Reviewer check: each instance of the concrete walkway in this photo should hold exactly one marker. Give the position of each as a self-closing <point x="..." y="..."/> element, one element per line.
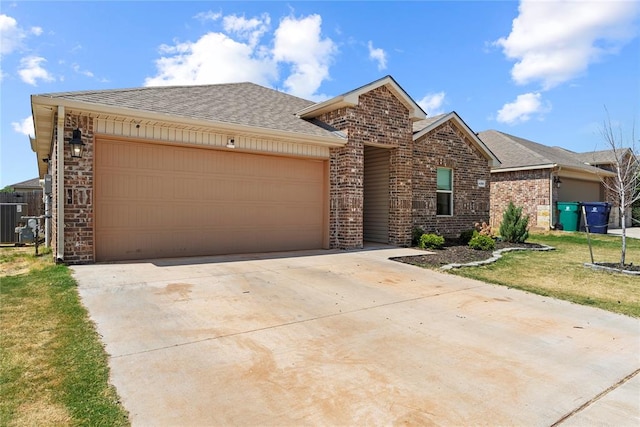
<point x="633" y="232"/>
<point x="352" y="338"/>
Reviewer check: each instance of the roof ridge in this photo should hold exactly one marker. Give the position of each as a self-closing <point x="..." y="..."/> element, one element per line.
<point x="146" y="88"/>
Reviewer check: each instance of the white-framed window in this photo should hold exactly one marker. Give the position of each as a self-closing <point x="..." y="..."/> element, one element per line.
<point x="444" y="192"/>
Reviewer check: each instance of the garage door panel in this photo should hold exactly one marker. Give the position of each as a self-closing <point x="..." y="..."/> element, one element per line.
<point x="178" y="201"/>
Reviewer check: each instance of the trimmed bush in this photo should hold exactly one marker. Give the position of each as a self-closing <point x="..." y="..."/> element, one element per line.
<point x="466" y="235"/>
<point x="431" y="241"/>
<point x="481" y="242"/>
<point x="514" y="226"/>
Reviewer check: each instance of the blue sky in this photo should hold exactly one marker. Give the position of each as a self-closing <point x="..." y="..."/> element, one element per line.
<point x="539" y="70"/>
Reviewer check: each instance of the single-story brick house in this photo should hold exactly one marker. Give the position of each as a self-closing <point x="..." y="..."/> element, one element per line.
<point x="240" y="168"/>
<point x="537" y="177"/>
<point x="606" y="159"/>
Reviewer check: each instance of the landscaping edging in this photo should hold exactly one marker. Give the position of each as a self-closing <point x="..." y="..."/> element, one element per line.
<point x="496" y="255"/>
<point x="611" y="269"/>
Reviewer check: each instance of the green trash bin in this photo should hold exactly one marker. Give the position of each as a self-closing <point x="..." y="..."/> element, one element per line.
<point x="569" y="217"/>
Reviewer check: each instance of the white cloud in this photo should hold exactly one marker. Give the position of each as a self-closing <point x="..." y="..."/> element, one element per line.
<point x="24" y="127"/>
<point x="522" y="109"/>
<point x="555" y="41"/>
<point x="379" y="55"/>
<point x="238" y="55"/>
<point x="247" y="29"/>
<point x="432" y="103"/>
<point x="214" y="58"/>
<point x="208" y="16"/>
<point x="299" y="43"/>
<point x="78" y="70"/>
<point x="11" y="35"/>
<point x="36" y="31"/>
<point x="31" y="70"/>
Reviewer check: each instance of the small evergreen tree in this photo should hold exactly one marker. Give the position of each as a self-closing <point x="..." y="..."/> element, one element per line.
<point x="514" y="226"/>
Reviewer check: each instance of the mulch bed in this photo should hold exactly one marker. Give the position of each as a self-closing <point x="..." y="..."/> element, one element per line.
<point x="456" y="252"/>
<point x="616" y="266"/>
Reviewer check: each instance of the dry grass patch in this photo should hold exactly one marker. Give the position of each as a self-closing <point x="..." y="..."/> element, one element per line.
<point x="561" y="273"/>
<point x="53" y="369"/>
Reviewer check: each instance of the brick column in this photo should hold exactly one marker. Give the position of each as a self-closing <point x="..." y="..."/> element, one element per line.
<point x="78" y="194"/>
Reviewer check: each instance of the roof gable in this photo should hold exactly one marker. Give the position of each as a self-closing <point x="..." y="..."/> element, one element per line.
<point x="423" y="127"/>
<point x="350" y="99"/>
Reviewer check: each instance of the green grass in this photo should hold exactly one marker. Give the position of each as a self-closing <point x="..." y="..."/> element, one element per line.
<point x="561" y="273"/>
<point x="53" y="368"/>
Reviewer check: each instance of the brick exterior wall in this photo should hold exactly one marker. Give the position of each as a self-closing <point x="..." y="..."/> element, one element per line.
<point x="528" y="189"/>
<point x="380" y="119"/>
<point x="77" y="194"/>
<point x="446" y="146"/>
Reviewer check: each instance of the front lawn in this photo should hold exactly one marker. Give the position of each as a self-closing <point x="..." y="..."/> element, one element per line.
<point x="53" y="368"/>
<point x="561" y="273"/>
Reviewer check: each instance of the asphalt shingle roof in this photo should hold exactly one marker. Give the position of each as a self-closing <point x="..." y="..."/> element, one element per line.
<point x="235" y="103"/>
<point x="421" y="124"/>
<point x="33" y="182"/>
<point x="515" y="152"/>
<point x="597" y="157"/>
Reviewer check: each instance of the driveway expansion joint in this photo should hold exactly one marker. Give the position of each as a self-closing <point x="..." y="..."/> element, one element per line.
<point x="596" y="398"/>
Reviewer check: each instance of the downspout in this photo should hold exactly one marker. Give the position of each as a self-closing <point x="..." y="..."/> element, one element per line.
<point x="554" y="172"/>
<point x="60" y="186"/>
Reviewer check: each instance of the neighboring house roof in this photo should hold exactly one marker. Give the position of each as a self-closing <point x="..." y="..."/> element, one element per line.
<point x="603" y="157"/>
<point x="521" y="154"/>
<point x="350" y="99"/>
<point x="425" y="126"/>
<point x="30" y="184"/>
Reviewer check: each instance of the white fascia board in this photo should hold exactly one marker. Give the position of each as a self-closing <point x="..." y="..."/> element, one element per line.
<point x="524" y="168"/>
<point x="172" y="121"/>
<point x="560" y="169"/>
<point x="574" y="172"/>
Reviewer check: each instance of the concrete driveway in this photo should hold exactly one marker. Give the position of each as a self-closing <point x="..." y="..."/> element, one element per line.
<point x="352" y="338"/>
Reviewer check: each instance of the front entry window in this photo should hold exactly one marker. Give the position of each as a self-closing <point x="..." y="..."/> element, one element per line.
<point x="444" y="192"/>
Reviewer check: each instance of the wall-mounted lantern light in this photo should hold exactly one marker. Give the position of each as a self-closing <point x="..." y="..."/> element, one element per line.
<point x="231" y="143"/>
<point x="77" y="146"/>
<point x="556" y="181"/>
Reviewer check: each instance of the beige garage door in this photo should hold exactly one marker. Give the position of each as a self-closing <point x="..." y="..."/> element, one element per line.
<point x="155" y="200"/>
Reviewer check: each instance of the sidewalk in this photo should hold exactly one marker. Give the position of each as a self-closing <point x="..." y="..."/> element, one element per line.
<point x="633" y="232"/>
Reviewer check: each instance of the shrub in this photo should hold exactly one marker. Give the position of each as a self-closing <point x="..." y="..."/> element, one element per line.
<point x="466" y="235"/>
<point x="416" y="233"/>
<point x="514" y="226"/>
<point x="431" y="241"/>
<point x="482" y="242"/>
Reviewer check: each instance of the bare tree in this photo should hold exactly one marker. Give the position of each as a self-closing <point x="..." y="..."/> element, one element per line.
<point x="625" y="185"/>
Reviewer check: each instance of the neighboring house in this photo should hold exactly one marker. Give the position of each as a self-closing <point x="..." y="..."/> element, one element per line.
<point x="30" y="185"/>
<point x="26" y="192"/>
<point x="537" y="177"/>
<point x="606" y="159"/>
<point x="240" y="168"/>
